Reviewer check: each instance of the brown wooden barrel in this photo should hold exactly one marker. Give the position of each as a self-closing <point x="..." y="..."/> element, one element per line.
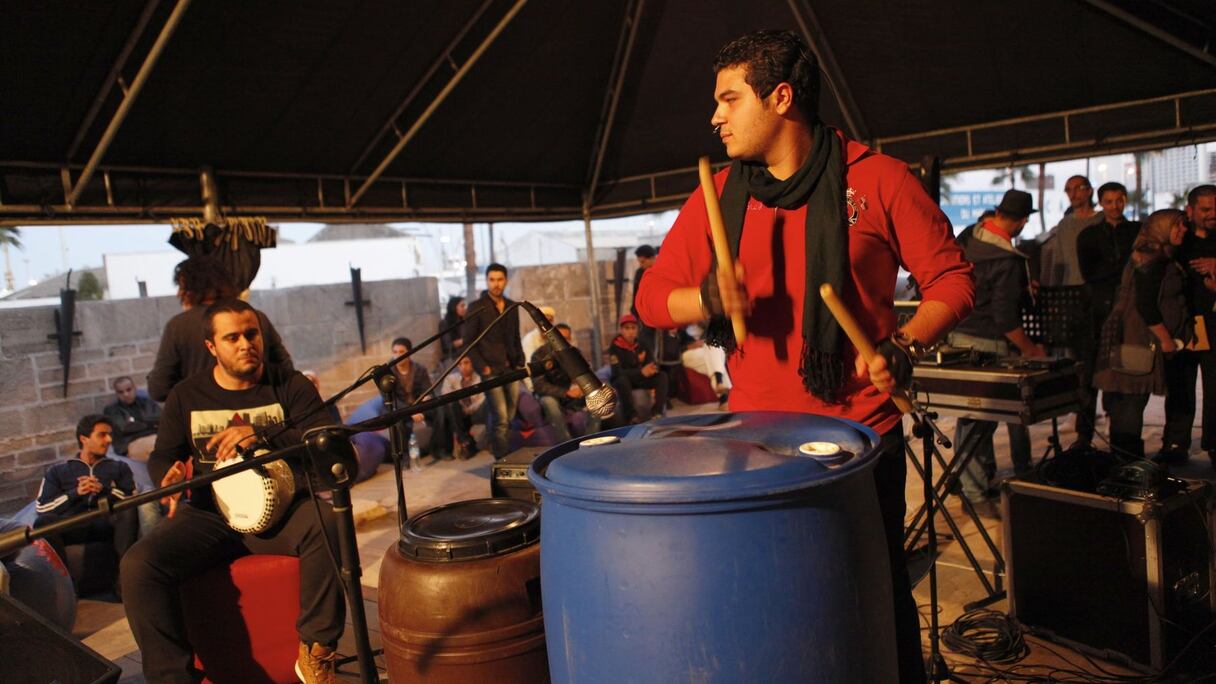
<point x="460" y="596"/>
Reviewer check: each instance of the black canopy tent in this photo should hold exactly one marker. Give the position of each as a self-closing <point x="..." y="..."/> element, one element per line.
<point x="491" y="110"/>
<point x="295" y="103"/>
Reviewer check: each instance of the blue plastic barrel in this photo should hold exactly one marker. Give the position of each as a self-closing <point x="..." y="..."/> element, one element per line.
<point x="738" y="547"/>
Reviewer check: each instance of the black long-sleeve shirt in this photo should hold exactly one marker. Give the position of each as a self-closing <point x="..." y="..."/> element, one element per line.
<point x="1199" y="299"/>
<point x="182" y="352"/>
<point x="198" y="408"/>
<point x="1102" y="252"/>
<point x="501" y="349"/>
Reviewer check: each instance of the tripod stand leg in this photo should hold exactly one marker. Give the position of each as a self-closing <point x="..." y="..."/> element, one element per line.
<point x="351" y="573"/>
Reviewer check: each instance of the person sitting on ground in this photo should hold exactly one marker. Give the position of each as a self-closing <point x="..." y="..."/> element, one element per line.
<point x="332" y="410"/>
<point x="200" y="280"/>
<point x="80" y="484"/>
<point x="557" y="393"/>
<point x="134" y="418"/>
<point x="632" y="368"/>
<point x="534" y="340"/>
<point x="707" y="360"/>
<point x="455" y="421"/>
<point x="412" y="382"/>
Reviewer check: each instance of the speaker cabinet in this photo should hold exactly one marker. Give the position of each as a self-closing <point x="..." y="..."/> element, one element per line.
<point x="36" y="651"/>
<point x="1128" y="581"/>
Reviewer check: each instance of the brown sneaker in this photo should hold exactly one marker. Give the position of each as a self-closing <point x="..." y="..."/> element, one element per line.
<point x="316" y="665"/>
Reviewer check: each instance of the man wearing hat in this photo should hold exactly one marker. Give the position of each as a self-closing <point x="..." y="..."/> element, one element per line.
<point x="995" y="325"/>
<point x="633" y="368"/>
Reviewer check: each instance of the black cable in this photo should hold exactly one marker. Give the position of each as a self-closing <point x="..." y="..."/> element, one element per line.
<point x="986" y="635"/>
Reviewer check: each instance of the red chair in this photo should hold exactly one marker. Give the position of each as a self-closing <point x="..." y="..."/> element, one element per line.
<point x="241" y="620"/>
<point x="695" y="388"/>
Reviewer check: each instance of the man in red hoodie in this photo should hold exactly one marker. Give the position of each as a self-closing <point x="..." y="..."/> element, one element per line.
<point x="805" y="205"/>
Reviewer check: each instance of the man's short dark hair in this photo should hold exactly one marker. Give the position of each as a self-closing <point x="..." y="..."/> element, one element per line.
<point x="230" y="305"/>
<point x="86" y="425"/>
<point x="645" y="252"/>
<point x="114" y="385"/>
<point x="403" y="341"/>
<point x="771" y="58"/>
<point x="1111" y="187"/>
<point x="496" y="267"/>
<point x="1192" y="197"/>
<point x="203" y="278"/>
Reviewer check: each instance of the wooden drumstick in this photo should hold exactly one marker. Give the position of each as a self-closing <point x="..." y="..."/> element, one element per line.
<point x="717" y="228"/>
<point x="859" y="339"/>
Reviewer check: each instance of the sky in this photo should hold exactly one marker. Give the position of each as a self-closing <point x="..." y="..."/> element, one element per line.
<point x="49" y="250"/>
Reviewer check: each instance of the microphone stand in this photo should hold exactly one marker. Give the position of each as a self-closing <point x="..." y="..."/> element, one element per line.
<point x="925" y="427"/>
<point x="332" y="461"/>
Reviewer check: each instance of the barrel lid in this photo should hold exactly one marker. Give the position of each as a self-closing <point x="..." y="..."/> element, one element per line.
<point x="467" y="530"/>
<point x="722" y="457"/>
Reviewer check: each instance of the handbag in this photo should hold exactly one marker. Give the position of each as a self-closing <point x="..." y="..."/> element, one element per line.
<point x="1134" y="359"/>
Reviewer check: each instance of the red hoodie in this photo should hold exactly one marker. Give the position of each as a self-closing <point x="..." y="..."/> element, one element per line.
<point x="894" y="223"/>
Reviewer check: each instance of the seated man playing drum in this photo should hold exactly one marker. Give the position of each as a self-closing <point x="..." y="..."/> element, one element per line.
<point x="205" y="419"/>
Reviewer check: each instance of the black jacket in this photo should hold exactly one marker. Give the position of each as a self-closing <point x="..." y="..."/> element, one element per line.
<point x="627" y="359"/>
<point x="132" y="422"/>
<point x="501" y="348"/>
<point x="1000" y="283"/>
<point x="1102" y="252"/>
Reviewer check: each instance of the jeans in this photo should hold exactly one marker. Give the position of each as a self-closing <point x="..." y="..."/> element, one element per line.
<point x="121" y="531"/>
<point x="968" y="434"/>
<point x="503" y="402"/>
<point x="162" y="564"/>
<point x="1127" y="423"/>
<point x="890" y="479"/>
<point x="555" y="413"/>
<point x="1180" y="405"/>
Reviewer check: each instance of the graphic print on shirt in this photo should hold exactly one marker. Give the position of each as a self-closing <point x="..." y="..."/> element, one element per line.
<point x="206" y="424"/>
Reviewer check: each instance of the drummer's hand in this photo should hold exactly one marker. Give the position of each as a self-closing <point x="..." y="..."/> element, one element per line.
<point x="224" y="444"/>
<point x="880" y="375"/>
<point x="734" y="301"/>
<point x="176" y="474"/>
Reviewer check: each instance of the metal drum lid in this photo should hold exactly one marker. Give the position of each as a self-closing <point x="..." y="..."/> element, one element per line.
<point x="467" y="530"/>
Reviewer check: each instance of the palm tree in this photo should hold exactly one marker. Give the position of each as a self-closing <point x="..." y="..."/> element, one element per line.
<point x="1013" y="174"/>
<point x="10" y="236"/>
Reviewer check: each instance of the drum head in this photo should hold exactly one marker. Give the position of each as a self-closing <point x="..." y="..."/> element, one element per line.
<point x="467" y="530"/>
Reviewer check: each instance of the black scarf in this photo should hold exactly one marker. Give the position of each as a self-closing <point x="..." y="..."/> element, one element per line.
<point x="818" y="184"/>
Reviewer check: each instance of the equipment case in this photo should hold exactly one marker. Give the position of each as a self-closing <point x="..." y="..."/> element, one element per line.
<point x="1126" y="580"/>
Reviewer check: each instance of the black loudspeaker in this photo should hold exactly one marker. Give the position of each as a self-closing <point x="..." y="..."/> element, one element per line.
<point x="34" y="651"/>
<point x="509" y="476"/>
<point x="1124" y="579"/>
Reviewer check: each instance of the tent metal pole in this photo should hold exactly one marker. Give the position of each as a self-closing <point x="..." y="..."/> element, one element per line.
<point x="612" y="98"/>
<point x="1044" y="117"/>
<point x="593" y="277"/>
<point x="818" y="43"/>
<point x="439" y="99"/>
<point x="115" y="73"/>
<point x="444" y="58"/>
<point x="128" y="99"/>
<point x="1159" y="34"/>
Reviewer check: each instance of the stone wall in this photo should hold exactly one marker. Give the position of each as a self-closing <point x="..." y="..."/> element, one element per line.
<point x="565" y="288"/>
<point x="37" y="422"/>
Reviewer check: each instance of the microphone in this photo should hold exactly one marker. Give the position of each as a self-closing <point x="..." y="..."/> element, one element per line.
<point x="601" y="398"/>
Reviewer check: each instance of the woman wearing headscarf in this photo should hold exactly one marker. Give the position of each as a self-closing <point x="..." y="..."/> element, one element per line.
<point x="1149" y="322"/>
<point x="452" y="343"/>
